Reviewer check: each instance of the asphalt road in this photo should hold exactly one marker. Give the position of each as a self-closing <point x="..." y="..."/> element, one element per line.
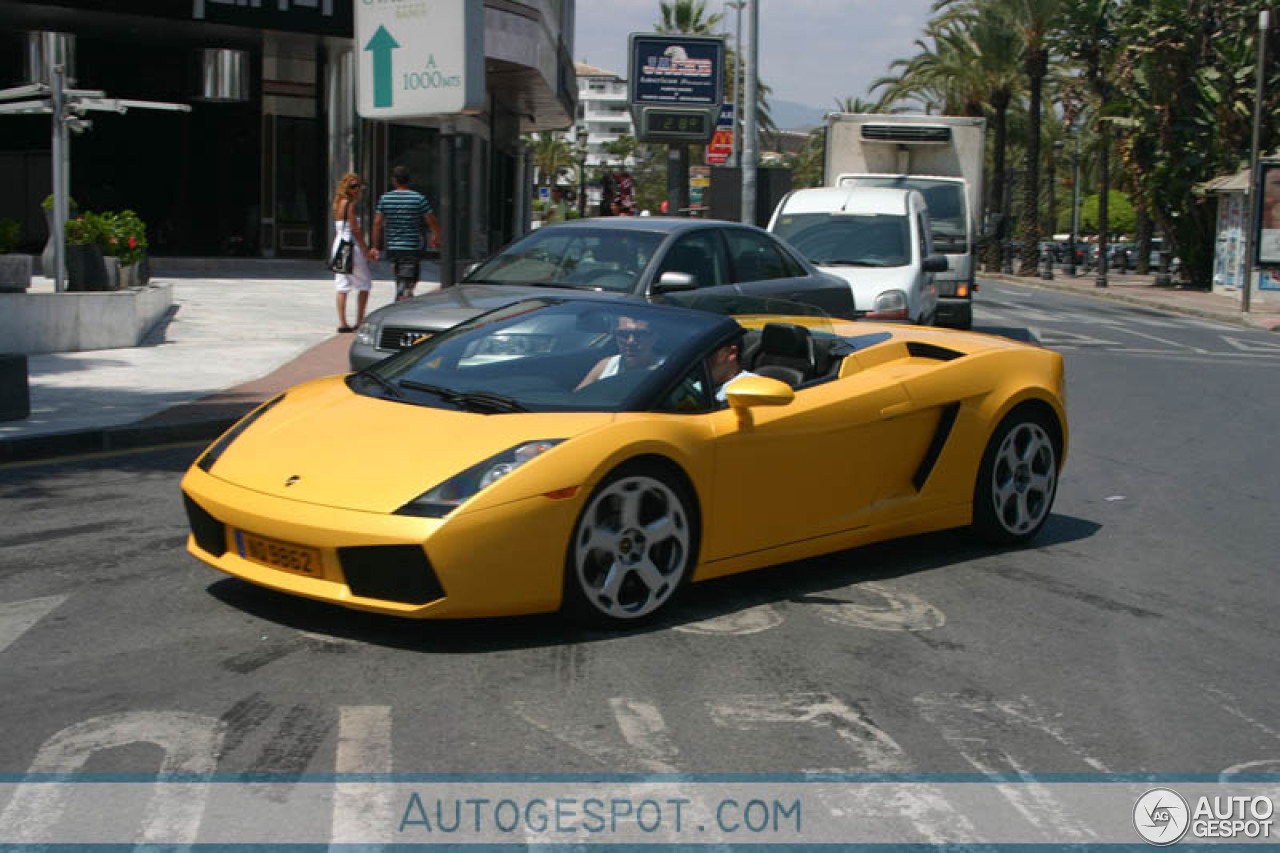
<point x="1137" y="635"/>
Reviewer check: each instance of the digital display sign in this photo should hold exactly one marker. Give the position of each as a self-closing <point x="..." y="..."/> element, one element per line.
<point x="676" y="86"/>
<point x="682" y="123"/>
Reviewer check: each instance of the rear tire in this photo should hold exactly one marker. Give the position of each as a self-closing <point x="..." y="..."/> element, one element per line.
<point x="1018" y="478"/>
<point x="633" y="546"/>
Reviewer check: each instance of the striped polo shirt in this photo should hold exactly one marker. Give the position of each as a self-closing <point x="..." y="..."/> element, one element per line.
<point x="402" y="212"/>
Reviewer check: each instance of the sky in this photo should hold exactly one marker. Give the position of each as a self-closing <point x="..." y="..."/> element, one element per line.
<point x="812" y="52"/>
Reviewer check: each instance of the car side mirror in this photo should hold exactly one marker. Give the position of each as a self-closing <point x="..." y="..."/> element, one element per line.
<point x="935" y="263"/>
<point x="752" y="391"/>
<point x="672" y="281"/>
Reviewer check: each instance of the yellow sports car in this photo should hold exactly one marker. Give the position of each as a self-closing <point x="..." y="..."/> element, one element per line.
<point x="594" y="455"/>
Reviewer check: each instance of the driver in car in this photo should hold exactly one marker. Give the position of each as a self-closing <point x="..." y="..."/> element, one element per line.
<point x="635" y="342"/>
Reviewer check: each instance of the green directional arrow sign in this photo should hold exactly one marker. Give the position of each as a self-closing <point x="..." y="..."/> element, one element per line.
<point x="381" y="46"/>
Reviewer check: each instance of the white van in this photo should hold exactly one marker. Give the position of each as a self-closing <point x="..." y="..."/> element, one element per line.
<point x="879" y="240"/>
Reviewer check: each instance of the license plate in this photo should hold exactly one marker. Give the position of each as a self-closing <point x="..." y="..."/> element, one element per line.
<point x="278" y="555"/>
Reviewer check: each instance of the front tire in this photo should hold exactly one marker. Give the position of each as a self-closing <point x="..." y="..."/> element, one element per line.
<point x="1017" y="480"/>
<point x="633" y="546"/>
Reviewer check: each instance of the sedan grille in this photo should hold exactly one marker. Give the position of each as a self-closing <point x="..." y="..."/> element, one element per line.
<point x="396" y="338"/>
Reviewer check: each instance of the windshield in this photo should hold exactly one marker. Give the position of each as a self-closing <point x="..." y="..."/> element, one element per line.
<point x="837" y="239"/>
<point x="537" y="355"/>
<point x="945" y="200"/>
<point x="589" y="258"/>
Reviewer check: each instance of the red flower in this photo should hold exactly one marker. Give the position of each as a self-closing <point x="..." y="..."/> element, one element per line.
<point x="133" y="242"/>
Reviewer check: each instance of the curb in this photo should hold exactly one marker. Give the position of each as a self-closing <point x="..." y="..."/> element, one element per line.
<point x="135" y="436"/>
<point x="1108" y="295"/>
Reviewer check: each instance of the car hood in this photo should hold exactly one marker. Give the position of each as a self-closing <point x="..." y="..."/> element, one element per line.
<point x="449" y="306"/>
<point x="869" y="282"/>
<point x="346" y="450"/>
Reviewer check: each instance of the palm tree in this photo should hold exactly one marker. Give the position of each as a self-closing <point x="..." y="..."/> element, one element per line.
<point x="685" y="17"/>
<point x="552" y="155"/>
<point x="853" y="104"/>
<point x="1033" y="22"/>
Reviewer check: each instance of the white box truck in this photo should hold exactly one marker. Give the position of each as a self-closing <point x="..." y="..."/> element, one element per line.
<point x="942" y="157"/>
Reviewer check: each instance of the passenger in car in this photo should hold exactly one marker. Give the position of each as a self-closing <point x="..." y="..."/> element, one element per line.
<point x="635" y="342"/>
<point x="725" y="370"/>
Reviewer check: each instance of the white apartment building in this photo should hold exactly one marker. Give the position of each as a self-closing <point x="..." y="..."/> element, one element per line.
<point x="602" y="110"/>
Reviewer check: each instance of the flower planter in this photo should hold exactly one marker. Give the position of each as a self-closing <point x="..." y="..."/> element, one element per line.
<point x="86" y="269"/>
<point x="131" y="275"/>
<point x="112" y="267"/>
<point x="15" y="273"/>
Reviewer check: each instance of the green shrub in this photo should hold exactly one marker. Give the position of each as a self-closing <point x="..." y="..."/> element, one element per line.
<point x="86" y="230"/>
<point x="10" y="235"/>
<point x="47" y="204"/>
<point x="126" y="237"/>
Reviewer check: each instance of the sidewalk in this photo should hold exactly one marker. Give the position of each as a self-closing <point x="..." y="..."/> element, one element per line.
<point x="244" y="330"/>
<point x="240" y="332"/>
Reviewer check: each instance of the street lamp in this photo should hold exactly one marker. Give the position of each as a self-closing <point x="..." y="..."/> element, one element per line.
<point x="1075" y="202"/>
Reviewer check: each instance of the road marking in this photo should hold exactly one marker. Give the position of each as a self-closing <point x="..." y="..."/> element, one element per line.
<point x="17" y="617"/>
<point x="644" y="729"/>
<point x="750" y="621"/>
<point x="1253" y="346"/>
<point x="1160" y="340"/>
<point x="881" y="609"/>
<point x="190" y="743"/>
<point x="361" y="810"/>
<point x="874" y="750"/>
<point x="969" y="733"/>
<point x="1057" y="337"/>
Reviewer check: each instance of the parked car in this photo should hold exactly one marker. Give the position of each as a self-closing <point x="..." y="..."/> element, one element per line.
<point x="492" y="477"/>
<point x="879" y="240"/>
<point x="653" y="257"/>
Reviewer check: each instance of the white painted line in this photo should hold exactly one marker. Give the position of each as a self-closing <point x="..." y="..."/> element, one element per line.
<point x="1177" y="344"/>
<point x="17" y="617"/>
<point x="642" y="726"/>
<point x="362" y="810"/>
<point x="880" y="608"/>
<point x="750" y="621"/>
<point x="190" y="742"/>
<point x="1253" y="346"/>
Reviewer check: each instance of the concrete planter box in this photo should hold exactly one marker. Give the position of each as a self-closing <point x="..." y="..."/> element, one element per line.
<point x="15" y="273"/>
<point x="34" y="323"/>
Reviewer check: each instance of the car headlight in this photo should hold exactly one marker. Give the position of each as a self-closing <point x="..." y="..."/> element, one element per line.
<point x="445" y="498"/>
<point x="220" y="446"/>
<point x="890" y="300"/>
<point x="365" y="334"/>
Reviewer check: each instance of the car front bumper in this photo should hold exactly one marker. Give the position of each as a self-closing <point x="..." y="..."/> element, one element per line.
<point x="502" y="561"/>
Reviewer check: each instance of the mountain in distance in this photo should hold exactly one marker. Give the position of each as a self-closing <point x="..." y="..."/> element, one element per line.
<point x="789" y="115"/>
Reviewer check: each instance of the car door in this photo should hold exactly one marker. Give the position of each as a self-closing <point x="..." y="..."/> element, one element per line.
<point x="811" y="468"/>
<point x="760" y="266"/>
<point x="700" y="254"/>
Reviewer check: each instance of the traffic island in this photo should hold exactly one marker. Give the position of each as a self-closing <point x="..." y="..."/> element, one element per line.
<point x="36" y="323"/>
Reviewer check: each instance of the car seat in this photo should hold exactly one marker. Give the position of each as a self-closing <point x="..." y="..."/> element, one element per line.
<point x="787" y="353"/>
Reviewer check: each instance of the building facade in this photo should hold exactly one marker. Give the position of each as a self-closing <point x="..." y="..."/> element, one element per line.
<point x="602" y="113"/>
<point x="250" y="170"/>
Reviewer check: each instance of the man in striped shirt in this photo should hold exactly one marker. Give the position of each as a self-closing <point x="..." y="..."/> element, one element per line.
<point x="401" y="216"/>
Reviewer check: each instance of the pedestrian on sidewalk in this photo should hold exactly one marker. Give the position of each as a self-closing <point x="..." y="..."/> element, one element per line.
<point x="400" y="218"/>
<point x="346" y="225"/>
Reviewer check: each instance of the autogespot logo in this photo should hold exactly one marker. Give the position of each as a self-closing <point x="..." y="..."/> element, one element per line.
<point x="1161" y="816"/>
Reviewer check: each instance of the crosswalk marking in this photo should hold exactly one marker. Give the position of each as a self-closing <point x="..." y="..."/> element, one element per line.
<point x="16" y="617"/>
<point x="1252" y="346"/>
<point x="362" y="810"/>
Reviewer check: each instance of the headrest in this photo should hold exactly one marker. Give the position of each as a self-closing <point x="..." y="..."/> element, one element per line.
<point x="786" y="339"/>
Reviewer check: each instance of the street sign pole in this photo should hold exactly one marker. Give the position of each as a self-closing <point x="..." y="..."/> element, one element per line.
<point x="1255" y="196"/>
<point x="750" y="155"/>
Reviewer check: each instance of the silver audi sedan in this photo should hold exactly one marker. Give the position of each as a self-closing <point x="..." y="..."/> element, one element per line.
<point x="662" y="259"/>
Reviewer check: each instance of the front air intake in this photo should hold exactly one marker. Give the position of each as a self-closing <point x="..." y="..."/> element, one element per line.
<point x="399" y="573"/>
<point x="210" y="534"/>
<point x="907" y="133"/>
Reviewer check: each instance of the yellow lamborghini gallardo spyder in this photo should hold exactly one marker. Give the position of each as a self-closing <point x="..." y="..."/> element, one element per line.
<point x="594" y="455"/>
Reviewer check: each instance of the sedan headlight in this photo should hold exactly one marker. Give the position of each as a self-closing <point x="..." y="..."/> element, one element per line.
<point x="366" y="334"/>
<point x="445" y="498"/>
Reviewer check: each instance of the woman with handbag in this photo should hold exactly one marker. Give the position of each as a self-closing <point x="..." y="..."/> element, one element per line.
<point x="349" y="259"/>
